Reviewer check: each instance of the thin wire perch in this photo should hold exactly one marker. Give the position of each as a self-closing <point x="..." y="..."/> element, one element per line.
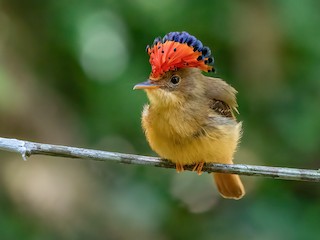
<point x="27" y="148"/>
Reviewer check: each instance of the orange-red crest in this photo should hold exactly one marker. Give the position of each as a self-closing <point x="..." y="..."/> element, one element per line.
<point x="178" y="50"/>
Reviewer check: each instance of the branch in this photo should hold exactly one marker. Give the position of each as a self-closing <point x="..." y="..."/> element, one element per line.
<point x="26" y="149"/>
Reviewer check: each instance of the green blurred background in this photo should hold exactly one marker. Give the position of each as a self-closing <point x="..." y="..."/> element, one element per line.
<point x="67" y="69"/>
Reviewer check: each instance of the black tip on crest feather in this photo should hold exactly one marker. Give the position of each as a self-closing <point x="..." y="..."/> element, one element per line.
<point x="200" y="58"/>
<point x="210" y="60"/>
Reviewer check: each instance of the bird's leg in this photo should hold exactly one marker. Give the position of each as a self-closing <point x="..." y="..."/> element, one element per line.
<point x="198" y="167"/>
<point x="179" y="167"/>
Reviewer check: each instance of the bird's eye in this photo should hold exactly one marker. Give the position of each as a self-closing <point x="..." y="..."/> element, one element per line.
<point x="175" y="79"/>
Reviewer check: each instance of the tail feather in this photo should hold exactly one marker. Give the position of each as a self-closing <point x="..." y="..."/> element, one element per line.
<point x="229" y="185"/>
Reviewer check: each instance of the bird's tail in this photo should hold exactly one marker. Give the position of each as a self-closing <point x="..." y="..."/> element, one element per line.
<point x="229" y="185"/>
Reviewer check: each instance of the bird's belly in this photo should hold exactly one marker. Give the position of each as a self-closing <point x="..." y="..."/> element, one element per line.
<point x="206" y="148"/>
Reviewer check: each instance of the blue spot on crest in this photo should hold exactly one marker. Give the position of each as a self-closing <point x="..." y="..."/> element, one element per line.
<point x="156" y="40"/>
<point x="191" y="40"/>
<point x="206" y="52"/>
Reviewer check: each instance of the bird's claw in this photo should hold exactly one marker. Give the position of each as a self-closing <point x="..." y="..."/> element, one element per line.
<point x="198" y="168"/>
<point x="179" y="167"/>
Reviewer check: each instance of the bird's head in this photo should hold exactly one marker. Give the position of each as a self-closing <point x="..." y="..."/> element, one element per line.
<point x="176" y="60"/>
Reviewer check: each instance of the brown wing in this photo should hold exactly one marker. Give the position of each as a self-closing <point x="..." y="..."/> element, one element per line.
<point x="221" y="108"/>
<point x="222" y="97"/>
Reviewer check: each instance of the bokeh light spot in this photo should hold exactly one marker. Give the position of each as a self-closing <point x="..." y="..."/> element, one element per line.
<point x="103" y="51"/>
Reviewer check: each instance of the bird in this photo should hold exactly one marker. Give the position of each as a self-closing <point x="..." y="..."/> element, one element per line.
<point x="190" y="118"/>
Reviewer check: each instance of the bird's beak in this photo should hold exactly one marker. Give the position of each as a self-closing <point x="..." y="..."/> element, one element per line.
<point x="146" y="85"/>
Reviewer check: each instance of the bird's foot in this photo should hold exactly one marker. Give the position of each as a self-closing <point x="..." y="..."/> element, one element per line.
<point x="198" y="168"/>
<point x="179" y="167"/>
